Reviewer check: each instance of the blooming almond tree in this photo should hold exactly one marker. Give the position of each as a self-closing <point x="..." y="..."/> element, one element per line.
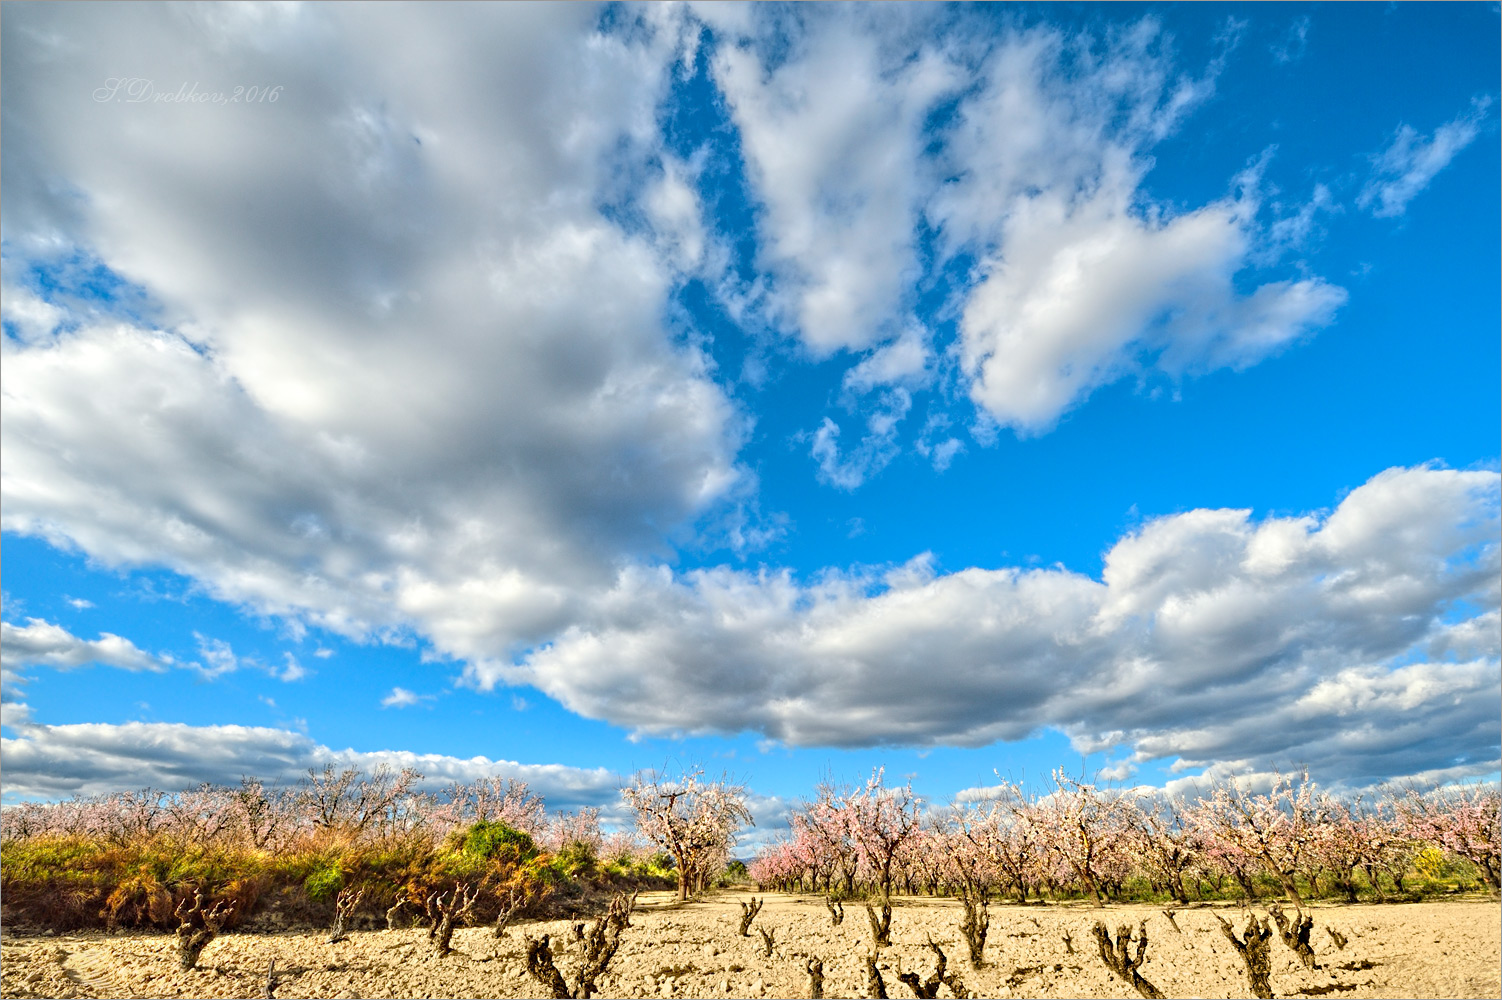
<point x="1084" y="830"/>
<point x="1165" y="844"/>
<point x="491" y="800"/>
<point x="1278" y="828"/>
<point x="1009" y="838"/>
<point x="823" y="830"/>
<point x="881" y="820"/>
<point x="351" y="803"/>
<point x="1465" y="821"/>
<point x="694" y="820"/>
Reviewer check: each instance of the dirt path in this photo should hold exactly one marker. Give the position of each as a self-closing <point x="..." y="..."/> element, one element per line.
<point x="1446" y="949"/>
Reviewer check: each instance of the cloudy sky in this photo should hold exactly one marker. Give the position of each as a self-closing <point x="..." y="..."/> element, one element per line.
<point x="559" y="391"/>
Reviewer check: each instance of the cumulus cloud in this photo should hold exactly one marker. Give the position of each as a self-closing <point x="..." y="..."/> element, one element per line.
<point x="402" y="369"/>
<point x="40" y="643"/>
<point x="832" y="133"/>
<point x="1027" y="154"/>
<point x="1084" y="278"/>
<point x="1411" y="161"/>
<point x="51" y="762"/>
<point x="372" y="357"/>
<point x="1210" y="635"/>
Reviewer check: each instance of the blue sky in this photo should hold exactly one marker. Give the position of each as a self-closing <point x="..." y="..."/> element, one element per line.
<point x="562" y="391"/>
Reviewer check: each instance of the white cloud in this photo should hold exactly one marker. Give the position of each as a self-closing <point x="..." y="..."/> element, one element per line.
<point x="1294" y="43"/>
<point x="218" y="656"/>
<point x="51" y="762"/>
<point x="877" y="447"/>
<point x="32" y="318"/>
<point x="1410" y="162"/>
<point x="291" y="669"/>
<point x="44" y="644"/>
<point x="1210" y="635"/>
<point x="673" y="207"/>
<point x="832" y="133"/>
<point x="1028" y="154"/>
<point x="1086" y="279"/>
<point x="400" y="697"/>
<point x="406" y="372"/>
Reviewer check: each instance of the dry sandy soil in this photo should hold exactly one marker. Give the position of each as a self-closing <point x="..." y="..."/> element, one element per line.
<point x="1448" y="949"/>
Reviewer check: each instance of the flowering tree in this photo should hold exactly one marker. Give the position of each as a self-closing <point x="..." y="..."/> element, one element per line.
<point x="264" y="818"/>
<point x="1010" y="838"/>
<point x="1353" y="836"/>
<point x="1277" y="828"/>
<point x="350" y="802"/>
<point x="694" y="820"/>
<point x="491" y="800"/>
<point x="1084" y="831"/>
<point x="566" y="829"/>
<point x="1166" y="844"/>
<point x="881" y="820"/>
<point x="1464" y="821"/>
<point x="199" y="816"/>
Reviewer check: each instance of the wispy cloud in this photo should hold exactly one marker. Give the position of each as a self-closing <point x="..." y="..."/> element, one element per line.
<point x="400" y="697"/>
<point x="1411" y="161"/>
<point x="1294" y="43"/>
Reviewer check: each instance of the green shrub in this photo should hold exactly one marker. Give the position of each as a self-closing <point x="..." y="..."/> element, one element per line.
<point x="497" y="841"/>
<point x="577" y="859"/>
<point x="324" y="882"/>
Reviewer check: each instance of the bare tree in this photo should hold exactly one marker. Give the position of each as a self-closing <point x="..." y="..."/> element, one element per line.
<point x="1295" y="934"/>
<point x="1118" y="959"/>
<point x="197" y="927"/>
<point x="836" y="912"/>
<point x="510" y="904"/>
<point x="1254" y="952"/>
<point x="881" y="930"/>
<point x="815" y="967"/>
<point x="748" y="914"/>
<point x="344" y="908"/>
<point x="977" y="921"/>
<point x="876" y="989"/>
<point x="446" y="909"/>
<point x="929" y="988"/>
<point x="600" y="944"/>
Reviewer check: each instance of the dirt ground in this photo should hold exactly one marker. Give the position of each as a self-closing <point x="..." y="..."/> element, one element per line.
<point x="1448" y="949"/>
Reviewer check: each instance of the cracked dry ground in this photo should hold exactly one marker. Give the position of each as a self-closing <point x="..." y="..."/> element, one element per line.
<point x="1448" y="949"/>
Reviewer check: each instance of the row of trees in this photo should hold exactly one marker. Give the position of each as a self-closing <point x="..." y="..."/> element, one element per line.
<point x="1075" y="838"/>
<point x="1069" y="838"/>
<point x="332" y="805"/>
<point x="381" y="841"/>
